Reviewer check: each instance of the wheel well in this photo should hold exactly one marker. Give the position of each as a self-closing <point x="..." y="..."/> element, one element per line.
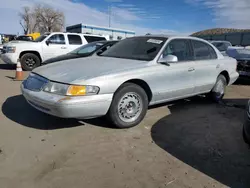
<point x="142" y="84"/>
<point x="32" y="52"/>
<point x="225" y="73"/>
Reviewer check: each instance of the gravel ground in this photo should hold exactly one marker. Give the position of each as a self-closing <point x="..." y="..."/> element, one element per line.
<point x="188" y="143"/>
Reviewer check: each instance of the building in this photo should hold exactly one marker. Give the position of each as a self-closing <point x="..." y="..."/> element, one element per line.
<point x="113" y="33"/>
<point x="235" y="36"/>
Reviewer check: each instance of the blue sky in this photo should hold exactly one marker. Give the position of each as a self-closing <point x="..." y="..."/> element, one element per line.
<point x="142" y="16"/>
<point x="177" y="15"/>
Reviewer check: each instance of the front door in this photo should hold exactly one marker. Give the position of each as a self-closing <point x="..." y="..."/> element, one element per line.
<point x="178" y="78"/>
<point x="54" y="46"/>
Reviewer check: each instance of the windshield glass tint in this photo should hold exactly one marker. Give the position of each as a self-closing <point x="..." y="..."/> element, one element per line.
<point x="41" y="38"/>
<point x="139" y="48"/>
<point x="88" y="48"/>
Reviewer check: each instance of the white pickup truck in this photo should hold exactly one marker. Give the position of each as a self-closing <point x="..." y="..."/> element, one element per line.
<point x="32" y="53"/>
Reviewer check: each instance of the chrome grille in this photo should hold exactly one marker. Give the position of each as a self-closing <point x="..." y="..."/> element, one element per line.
<point x="35" y="82"/>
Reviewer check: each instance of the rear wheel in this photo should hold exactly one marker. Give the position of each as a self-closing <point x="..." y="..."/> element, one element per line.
<point x="129" y="106"/>
<point x="29" y="61"/>
<point x="218" y="91"/>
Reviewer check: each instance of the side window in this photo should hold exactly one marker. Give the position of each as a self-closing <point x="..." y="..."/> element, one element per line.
<point x="94" y="38"/>
<point x="179" y="48"/>
<point x="57" y="39"/>
<point x="203" y="51"/>
<point x="75" y="39"/>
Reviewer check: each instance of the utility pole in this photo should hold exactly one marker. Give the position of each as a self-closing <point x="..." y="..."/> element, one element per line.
<point x="110" y="13"/>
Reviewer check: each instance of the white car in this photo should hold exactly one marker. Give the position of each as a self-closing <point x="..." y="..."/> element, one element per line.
<point x="32" y="53"/>
<point x="130" y="76"/>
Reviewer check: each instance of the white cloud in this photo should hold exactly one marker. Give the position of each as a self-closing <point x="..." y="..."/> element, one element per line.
<point x="124" y="14"/>
<point x="228" y="13"/>
<point x="126" y="5"/>
<point x="114" y="1"/>
<point x="75" y="12"/>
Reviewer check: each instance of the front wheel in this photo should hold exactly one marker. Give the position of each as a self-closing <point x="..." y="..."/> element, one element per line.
<point x="218" y="91"/>
<point x="29" y="61"/>
<point x="129" y="106"/>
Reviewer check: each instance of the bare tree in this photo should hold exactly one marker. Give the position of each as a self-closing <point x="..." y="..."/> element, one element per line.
<point x="25" y="20"/>
<point x="49" y="19"/>
<point x="41" y="19"/>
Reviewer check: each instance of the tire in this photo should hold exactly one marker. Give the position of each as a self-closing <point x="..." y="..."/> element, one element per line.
<point x="128" y="94"/>
<point x="218" y="91"/>
<point x="29" y="61"/>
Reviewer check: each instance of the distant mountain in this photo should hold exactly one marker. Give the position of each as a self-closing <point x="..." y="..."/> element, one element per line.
<point x="218" y="31"/>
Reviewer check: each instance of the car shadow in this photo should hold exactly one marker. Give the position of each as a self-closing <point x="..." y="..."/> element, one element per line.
<point x="18" y="110"/>
<point x="242" y="81"/>
<point x="7" y="67"/>
<point x="207" y="137"/>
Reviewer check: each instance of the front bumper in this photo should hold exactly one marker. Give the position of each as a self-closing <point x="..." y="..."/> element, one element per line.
<point x="80" y="107"/>
<point x="9" y="58"/>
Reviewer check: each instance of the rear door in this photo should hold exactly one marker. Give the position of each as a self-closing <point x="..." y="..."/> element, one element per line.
<point x="74" y="41"/>
<point x="56" y="45"/>
<point x="90" y="38"/>
<point x="207" y="66"/>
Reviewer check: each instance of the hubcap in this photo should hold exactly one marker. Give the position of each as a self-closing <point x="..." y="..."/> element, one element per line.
<point x="30" y="62"/>
<point x="219" y="89"/>
<point x="129" y="107"/>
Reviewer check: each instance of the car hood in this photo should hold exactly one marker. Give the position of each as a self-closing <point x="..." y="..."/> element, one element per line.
<point x="20" y="43"/>
<point x="64" y="57"/>
<point x="80" y="69"/>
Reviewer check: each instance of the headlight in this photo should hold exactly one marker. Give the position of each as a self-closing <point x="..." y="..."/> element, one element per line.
<point x="71" y="90"/>
<point x="10" y="49"/>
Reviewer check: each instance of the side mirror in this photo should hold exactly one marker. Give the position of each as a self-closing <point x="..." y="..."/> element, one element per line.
<point x="168" y="59"/>
<point x="47" y="42"/>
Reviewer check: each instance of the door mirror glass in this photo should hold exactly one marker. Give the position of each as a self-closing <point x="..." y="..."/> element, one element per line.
<point x="168" y="59"/>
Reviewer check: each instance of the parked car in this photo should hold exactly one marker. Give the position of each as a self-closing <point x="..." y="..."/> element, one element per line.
<point x="242" y="55"/>
<point x="246" y="125"/>
<point x="32" y="54"/>
<point x="221" y="46"/>
<point x="93" y="48"/>
<point x="133" y="74"/>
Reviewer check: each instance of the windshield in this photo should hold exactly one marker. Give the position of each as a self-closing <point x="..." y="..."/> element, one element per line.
<point x="139" y="48"/>
<point x="88" y="48"/>
<point x="41" y="38"/>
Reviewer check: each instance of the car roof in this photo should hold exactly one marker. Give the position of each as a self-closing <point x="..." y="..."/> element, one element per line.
<point x="171" y="36"/>
<point x="219" y="41"/>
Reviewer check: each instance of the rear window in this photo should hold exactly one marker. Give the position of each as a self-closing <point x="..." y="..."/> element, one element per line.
<point x="75" y="39"/>
<point x="94" y="38"/>
<point x="221" y="46"/>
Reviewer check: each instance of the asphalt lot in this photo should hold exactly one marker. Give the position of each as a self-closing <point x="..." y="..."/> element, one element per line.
<point x="189" y="143"/>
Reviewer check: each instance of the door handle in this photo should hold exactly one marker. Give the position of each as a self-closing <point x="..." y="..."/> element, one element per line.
<point x="191" y="69"/>
<point x="218" y="66"/>
<point x="63" y="48"/>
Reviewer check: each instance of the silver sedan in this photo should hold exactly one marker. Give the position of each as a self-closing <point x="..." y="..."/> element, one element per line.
<point x="123" y="81"/>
